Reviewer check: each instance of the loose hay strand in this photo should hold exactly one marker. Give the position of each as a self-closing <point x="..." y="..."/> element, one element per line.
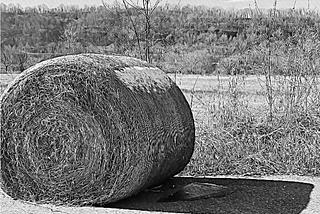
<point x="91" y="129"/>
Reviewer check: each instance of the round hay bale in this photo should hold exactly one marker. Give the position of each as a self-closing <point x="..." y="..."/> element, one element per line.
<point x="92" y="129"/>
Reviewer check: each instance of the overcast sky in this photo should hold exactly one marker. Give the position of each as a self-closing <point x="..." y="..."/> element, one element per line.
<point x="314" y="4"/>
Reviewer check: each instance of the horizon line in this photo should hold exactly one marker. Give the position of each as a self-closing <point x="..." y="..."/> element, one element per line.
<point x="97" y="6"/>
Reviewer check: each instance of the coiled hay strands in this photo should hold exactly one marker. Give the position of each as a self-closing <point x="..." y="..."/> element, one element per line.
<point x="92" y="129"/>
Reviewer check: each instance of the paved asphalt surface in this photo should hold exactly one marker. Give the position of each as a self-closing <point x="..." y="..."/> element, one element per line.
<point x="245" y="196"/>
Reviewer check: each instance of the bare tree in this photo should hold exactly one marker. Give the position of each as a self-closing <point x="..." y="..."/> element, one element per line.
<point x="22" y="58"/>
<point x="5" y="60"/>
<point x="69" y="37"/>
<point x="146" y="9"/>
<point x="6" y="57"/>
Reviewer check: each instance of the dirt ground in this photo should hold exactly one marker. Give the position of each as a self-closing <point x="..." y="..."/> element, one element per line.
<point x="273" y="194"/>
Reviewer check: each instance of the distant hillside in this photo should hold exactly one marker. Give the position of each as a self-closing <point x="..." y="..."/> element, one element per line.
<point x="29" y="35"/>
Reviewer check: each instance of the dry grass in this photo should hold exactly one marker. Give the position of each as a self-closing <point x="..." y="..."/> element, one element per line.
<point x="235" y="134"/>
<point x="91" y="129"/>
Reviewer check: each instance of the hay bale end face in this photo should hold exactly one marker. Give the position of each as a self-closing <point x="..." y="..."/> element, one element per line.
<point x="90" y="129"/>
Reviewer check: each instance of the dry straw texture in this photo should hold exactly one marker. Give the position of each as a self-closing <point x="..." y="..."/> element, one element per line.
<point x="92" y="129"/>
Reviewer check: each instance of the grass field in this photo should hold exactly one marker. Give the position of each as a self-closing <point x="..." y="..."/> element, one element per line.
<point x="246" y="127"/>
<point x="240" y="132"/>
<point x="206" y="92"/>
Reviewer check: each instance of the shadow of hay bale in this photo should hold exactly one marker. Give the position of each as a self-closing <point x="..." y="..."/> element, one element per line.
<point x="90" y="128"/>
<point x="242" y="196"/>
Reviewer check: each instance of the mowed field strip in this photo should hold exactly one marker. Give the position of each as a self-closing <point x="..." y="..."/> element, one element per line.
<point x="251" y="85"/>
<point x="205" y="92"/>
<point x="202" y="92"/>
